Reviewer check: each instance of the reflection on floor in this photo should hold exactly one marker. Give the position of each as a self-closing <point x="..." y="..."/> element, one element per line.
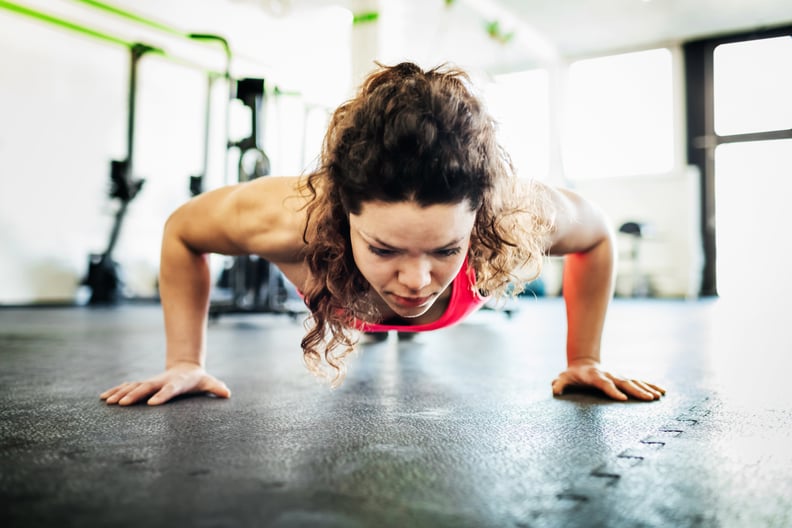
<point x="454" y="428"/>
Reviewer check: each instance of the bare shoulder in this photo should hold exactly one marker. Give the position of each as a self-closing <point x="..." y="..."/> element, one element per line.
<point x="578" y="223"/>
<point x="264" y="217"/>
<point x="270" y="218"/>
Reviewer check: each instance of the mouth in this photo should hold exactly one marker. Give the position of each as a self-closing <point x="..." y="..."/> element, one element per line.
<point x="411" y="302"/>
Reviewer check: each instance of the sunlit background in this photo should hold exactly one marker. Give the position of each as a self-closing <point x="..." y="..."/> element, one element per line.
<point x="589" y="95"/>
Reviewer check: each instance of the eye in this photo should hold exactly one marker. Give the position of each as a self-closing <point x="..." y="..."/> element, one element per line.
<point x="380" y="252"/>
<point x="450" y="252"/>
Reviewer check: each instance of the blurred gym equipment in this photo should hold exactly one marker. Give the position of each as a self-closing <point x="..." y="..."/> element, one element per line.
<point x="249" y="284"/>
<point x="103" y="277"/>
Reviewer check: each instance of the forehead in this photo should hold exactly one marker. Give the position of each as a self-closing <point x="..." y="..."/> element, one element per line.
<point x="408" y="224"/>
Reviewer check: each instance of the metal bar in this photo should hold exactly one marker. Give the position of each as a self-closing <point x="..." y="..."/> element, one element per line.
<point x="365" y="17"/>
<point x="137" y="51"/>
<point x="700" y="132"/>
<point x="755" y="136"/>
<point x="45" y="17"/>
<point x="203" y="38"/>
<point x="207" y="39"/>
<point x="134" y="17"/>
<point x="702" y="139"/>
<point x="38" y="15"/>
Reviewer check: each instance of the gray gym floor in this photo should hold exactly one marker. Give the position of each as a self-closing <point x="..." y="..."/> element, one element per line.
<point x="457" y="428"/>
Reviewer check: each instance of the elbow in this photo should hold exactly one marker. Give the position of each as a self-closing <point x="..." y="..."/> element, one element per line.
<point x="601" y="236"/>
<point x="174" y="232"/>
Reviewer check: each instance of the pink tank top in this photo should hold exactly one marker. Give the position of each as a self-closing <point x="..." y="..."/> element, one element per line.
<point x="465" y="299"/>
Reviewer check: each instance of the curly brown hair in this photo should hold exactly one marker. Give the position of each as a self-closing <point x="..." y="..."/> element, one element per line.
<point x="421" y="136"/>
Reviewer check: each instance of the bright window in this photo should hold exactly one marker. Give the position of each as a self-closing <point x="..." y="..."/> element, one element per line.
<point x="519" y="102"/>
<point x="752" y="195"/>
<point x="619" y="116"/>
<point x="753" y="83"/>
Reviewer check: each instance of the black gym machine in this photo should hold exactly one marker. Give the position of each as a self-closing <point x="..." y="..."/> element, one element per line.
<point x="247" y="284"/>
<point x="104" y="275"/>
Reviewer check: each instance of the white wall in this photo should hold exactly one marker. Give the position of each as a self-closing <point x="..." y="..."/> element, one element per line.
<point x="669" y="206"/>
<point x="61" y="102"/>
<point x="63" y="117"/>
<point x="64" y="108"/>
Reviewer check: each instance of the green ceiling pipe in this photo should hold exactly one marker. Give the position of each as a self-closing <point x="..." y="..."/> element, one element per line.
<point x="204" y="38"/>
<point x="132" y="16"/>
<point x="66" y="24"/>
<point x="38" y="15"/>
<point x="363" y="18"/>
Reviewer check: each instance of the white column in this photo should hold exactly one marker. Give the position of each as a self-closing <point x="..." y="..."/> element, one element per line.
<point x="365" y="38"/>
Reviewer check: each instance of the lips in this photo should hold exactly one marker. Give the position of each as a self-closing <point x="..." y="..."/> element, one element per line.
<point x="411" y="302"/>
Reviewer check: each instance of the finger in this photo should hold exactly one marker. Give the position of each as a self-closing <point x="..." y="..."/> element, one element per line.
<point x="558" y="386"/>
<point x="218" y="388"/>
<point x="612" y="391"/>
<point x="165" y="394"/>
<point x="641" y="390"/>
<point x="120" y="392"/>
<point x="634" y="389"/>
<point x="649" y="389"/>
<point x="109" y="392"/>
<point x="137" y="393"/>
<point x="658" y="388"/>
<point x="606" y="385"/>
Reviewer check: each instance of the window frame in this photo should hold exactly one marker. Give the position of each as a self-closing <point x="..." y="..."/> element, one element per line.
<point x="702" y="140"/>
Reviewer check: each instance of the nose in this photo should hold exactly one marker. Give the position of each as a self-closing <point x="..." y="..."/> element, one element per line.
<point x="415" y="274"/>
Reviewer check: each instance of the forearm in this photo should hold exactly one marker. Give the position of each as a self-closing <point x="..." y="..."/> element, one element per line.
<point x="588" y="288"/>
<point x="184" y="292"/>
<point x="584" y="235"/>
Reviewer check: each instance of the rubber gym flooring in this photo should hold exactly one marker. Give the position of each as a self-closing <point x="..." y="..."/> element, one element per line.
<point x="457" y="428"/>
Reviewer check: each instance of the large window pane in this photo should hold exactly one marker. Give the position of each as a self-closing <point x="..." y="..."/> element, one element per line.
<point x="620" y="116"/>
<point x="753" y="83"/>
<point x="519" y="102"/>
<point x="754" y="245"/>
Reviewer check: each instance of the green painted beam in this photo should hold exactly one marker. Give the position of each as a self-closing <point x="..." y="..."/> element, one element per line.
<point x="134" y="17"/>
<point x="366" y="17"/>
<point x="99" y="35"/>
<point x="50" y="19"/>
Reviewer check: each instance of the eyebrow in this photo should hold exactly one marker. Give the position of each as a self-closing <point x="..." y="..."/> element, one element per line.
<point x="388" y="246"/>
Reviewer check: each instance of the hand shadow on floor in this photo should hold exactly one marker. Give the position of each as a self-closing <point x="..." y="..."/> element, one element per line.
<point x="172" y="401"/>
<point x="581" y="394"/>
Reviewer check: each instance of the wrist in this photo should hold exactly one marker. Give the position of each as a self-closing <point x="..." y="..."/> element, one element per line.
<point x="583" y="362"/>
<point x="182" y="363"/>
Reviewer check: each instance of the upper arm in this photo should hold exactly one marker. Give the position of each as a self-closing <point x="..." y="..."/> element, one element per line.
<point x="262" y="217"/>
<point x="579" y="224"/>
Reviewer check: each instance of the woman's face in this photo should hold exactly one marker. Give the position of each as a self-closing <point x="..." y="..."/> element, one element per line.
<point x="408" y="253"/>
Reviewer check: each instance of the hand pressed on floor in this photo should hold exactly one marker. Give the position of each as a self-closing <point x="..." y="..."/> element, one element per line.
<point x="181" y="378"/>
<point x="590" y="374"/>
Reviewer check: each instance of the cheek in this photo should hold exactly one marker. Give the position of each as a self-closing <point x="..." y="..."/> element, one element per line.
<point x="366" y="263"/>
<point x="450" y="269"/>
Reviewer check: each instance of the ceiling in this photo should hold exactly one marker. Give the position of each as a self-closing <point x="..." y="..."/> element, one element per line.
<point x="586" y="27"/>
<point x="312" y="37"/>
<point x="545" y="30"/>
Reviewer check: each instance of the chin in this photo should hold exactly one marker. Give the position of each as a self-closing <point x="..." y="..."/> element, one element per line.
<point x="410" y="313"/>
